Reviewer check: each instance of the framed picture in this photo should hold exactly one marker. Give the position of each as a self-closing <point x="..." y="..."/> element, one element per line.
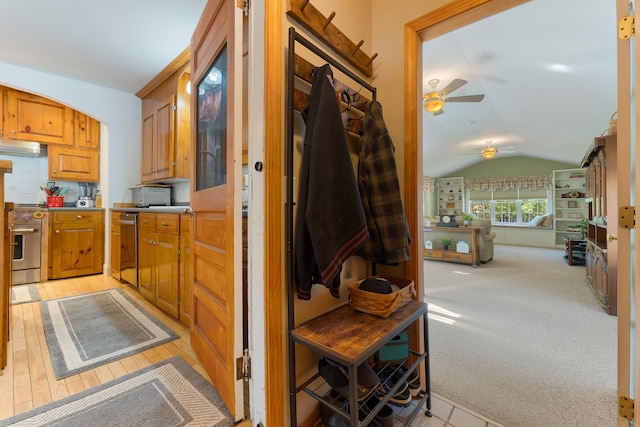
<point x="572" y="204"/>
<point x="450" y="205"/>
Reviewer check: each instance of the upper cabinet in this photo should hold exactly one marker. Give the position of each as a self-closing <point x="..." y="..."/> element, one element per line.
<point x="73" y="138"/>
<point x="81" y="160"/>
<point x="165" y="124"/>
<point x="33" y="118"/>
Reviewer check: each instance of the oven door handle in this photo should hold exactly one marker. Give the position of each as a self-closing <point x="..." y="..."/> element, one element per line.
<point x="26" y="230"/>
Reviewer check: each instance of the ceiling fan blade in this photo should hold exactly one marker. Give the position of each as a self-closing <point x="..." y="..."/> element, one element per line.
<point x="467" y="98"/>
<point x="455" y="84"/>
<point x="437" y="113"/>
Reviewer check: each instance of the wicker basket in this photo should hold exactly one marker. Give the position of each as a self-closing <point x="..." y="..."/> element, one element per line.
<point x="382" y="305"/>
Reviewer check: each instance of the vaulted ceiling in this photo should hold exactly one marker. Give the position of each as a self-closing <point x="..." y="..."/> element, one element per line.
<point x="547" y="69"/>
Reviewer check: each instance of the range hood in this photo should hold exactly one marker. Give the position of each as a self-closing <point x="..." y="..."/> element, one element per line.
<point x="19" y="148"/>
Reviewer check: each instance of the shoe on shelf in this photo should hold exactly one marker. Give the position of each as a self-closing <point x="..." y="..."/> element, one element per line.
<point x="334" y="375"/>
<point x="385" y="416"/>
<point x="413" y="380"/>
<point x="389" y="377"/>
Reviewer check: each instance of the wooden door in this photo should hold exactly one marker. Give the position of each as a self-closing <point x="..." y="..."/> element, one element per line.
<point x="165" y="140"/>
<point x="146" y="256"/>
<point x="166" y="274"/>
<point x="148" y="155"/>
<point x="216" y="132"/>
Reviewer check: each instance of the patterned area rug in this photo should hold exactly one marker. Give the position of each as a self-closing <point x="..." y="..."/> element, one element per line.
<point x="169" y="393"/>
<point x="21" y="294"/>
<point x="89" y="330"/>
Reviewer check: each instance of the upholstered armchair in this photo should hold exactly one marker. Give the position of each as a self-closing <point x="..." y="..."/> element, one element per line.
<point x="486" y="237"/>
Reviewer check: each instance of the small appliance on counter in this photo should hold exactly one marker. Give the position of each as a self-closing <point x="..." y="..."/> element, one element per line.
<point x="151" y="195"/>
<point x="87" y="193"/>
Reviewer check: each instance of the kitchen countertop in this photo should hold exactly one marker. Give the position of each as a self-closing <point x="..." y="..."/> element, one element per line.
<point x="72" y="208"/>
<point x="156" y="209"/>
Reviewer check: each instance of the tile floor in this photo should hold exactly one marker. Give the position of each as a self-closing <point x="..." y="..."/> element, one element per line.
<point x="448" y="414"/>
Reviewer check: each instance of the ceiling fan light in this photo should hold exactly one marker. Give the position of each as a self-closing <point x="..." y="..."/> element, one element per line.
<point x="490" y="152"/>
<point x="432" y="102"/>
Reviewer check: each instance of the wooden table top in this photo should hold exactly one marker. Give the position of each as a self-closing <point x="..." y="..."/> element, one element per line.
<point x="350" y="337"/>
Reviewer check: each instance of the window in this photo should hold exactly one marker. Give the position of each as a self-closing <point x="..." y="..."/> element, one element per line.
<point x="512" y="211"/>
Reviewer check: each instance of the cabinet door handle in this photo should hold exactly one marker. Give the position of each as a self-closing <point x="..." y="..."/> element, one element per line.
<point x="57" y="231"/>
<point x="145" y="222"/>
<point x="164" y="224"/>
<point x="79" y="217"/>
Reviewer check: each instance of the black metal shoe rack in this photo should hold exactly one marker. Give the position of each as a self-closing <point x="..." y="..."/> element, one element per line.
<point x="307" y="333"/>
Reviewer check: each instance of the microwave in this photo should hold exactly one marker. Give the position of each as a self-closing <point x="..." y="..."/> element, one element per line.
<point x="145" y="196"/>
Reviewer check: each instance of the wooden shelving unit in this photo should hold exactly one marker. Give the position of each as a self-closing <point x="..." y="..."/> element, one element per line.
<point x="450" y="196"/>
<point x="569" y="204"/>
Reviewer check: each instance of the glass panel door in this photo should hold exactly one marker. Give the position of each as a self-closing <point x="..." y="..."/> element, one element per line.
<point x="211" y="138"/>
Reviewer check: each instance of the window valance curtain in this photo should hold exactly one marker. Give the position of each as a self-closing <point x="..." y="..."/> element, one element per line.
<point x="532" y="182"/>
<point x="428" y="184"/>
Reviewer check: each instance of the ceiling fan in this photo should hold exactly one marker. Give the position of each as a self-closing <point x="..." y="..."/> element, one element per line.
<point x="434" y="101"/>
<point x="489" y="151"/>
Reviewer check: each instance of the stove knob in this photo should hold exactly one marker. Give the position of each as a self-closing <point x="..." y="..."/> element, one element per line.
<point x="26" y="216"/>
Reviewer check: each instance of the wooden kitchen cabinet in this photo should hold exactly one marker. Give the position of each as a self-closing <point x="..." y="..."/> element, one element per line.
<point x="186" y="269"/>
<point x="158" y="260"/>
<point x="71" y="164"/>
<point x="166" y="128"/>
<point x="77" y="243"/>
<point x="86" y="132"/>
<point x="81" y="160"/>
<point x="30" y="117"/>
<point x="73" y="138"/>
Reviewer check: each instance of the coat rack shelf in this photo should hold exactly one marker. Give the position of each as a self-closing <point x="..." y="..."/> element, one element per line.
<point x="361" y="335"/>
<point x="353" y="101"/>
<point x="303" y="12"/>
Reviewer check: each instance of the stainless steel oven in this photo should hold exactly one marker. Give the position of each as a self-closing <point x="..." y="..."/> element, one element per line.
<point x="27" y="244"/>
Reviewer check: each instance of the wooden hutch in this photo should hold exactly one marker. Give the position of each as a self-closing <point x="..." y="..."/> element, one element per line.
<point x="602" y="200"/>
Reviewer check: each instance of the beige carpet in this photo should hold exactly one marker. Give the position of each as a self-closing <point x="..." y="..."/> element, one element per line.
<point x="521" y="340"/>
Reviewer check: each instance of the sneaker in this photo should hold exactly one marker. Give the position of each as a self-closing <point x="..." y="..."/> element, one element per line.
<point x="413" y="380"/>
<point x="390" y="375"/>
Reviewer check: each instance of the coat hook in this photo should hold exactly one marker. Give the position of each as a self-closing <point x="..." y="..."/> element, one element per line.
<point x="304" y="4"/>
<point x="372" y="58"/>
<point x="329" y="19"/>
<point x="357" y="47"/>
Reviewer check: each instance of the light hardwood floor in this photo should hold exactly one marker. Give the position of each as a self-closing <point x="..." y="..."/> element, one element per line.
<point x="28" y="380"/>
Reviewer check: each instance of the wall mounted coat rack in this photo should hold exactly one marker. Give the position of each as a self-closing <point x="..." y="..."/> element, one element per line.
<point x="303" y="12"/>
<point x="353" y="101"/>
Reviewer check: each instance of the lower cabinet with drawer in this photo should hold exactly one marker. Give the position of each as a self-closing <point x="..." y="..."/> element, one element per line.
<point x="158" y="260"/>
<point x="76" y="243"/>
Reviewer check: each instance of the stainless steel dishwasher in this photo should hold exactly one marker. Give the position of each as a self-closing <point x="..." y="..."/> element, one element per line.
<point x="129" y="248"/>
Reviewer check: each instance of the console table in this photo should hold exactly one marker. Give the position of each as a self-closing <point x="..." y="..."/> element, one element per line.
<point x="468" y="234"/>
